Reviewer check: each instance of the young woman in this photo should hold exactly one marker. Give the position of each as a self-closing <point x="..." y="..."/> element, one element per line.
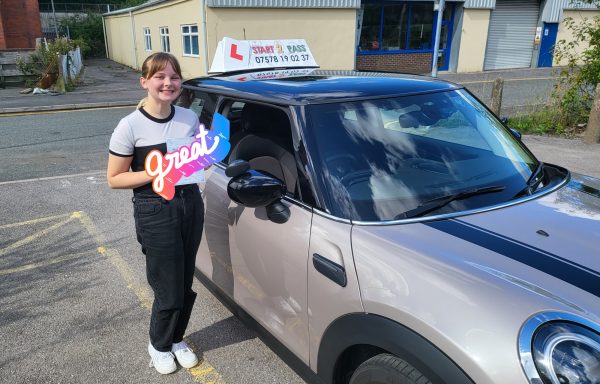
<point x="169" y="231"/>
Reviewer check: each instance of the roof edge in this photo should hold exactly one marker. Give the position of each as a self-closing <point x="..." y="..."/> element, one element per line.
<point x="135" y="8"/>
<point x="347" y="4"/>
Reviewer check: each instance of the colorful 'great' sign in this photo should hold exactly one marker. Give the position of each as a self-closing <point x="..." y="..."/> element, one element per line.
<point x="207" y="148"/>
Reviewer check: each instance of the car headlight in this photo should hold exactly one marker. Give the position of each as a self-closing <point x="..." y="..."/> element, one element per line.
<point x="560" y="348"/>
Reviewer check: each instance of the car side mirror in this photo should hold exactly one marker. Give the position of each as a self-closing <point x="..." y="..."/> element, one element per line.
<point x="277" y="212"/>
<point x="236" y="168"/>
<point x="255" y="189"/>
<point x="515" y="133"/>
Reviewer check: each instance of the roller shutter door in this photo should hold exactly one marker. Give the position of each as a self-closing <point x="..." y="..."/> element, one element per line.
<point x="511" y="34"/>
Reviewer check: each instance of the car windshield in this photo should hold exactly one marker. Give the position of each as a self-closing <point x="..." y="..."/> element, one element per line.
<point x="384" y="158"/>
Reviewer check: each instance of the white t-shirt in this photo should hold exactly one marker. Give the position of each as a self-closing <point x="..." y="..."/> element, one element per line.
<point x="139" y="133"/>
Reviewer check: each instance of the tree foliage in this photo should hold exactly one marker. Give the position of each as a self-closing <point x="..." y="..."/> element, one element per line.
<point x="132" y="3"/>
<point x="575" y="89"/>
<point x="86" y="28"/>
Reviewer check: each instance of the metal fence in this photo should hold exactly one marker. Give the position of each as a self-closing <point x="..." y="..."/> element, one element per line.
<point x="79" y="7"/>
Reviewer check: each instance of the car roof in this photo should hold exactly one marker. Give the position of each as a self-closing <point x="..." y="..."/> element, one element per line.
<point x="320" y="86"/>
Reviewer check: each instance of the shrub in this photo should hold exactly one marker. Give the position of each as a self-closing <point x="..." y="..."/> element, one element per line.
<point x="45" y="59"/>
<point x="574" y="92"/>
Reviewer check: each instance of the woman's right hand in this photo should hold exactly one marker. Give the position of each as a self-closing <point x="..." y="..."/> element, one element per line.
<point x="119" y="176"/>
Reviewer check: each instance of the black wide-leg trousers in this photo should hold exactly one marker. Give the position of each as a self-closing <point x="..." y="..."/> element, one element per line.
<point x="170" y="232"/>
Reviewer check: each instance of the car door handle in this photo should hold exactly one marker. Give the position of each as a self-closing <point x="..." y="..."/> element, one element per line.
<point x="329" y="269"/>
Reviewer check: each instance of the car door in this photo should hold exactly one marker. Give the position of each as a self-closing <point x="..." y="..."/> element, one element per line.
<point x="260" y="264"/>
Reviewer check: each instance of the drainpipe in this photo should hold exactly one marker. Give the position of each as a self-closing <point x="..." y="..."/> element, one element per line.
<point x="105" y="37"/>
<point x="135" y="60"/>
<point x="436" y="45"/>
<point x="204" y="37"/>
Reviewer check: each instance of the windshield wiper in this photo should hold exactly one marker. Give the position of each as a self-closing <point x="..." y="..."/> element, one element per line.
<point x="533" y="181"/>
<point x="439" y="202"/>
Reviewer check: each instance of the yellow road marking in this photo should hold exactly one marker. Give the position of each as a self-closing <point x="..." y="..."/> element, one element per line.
<point x="505" y="80"/>
<point x="206" y="374"/>
<point x="55" y="260"/>
<point x="203" y="373"/>
<point x="61" y="111"/>
<point x="34" y="221"/>
<point x="143" y="294"/>
<point x="33" y="237"/>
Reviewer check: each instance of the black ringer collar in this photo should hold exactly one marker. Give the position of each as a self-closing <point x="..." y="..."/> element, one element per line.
<point x="157" y="120"/>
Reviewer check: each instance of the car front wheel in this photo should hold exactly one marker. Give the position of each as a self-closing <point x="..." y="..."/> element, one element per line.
<point x="387" y="369"/>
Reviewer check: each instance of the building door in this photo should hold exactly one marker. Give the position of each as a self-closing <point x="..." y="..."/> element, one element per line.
<point x="445" y="36"/>
<point x="547" y="46"/>
<point x="511" y="34"/>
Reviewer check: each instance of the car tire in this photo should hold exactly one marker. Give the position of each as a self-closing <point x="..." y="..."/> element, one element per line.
<point x="387" y="369"/>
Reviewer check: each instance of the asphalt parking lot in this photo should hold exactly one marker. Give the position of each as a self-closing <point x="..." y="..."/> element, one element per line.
<point x="75" y="303"/>
<point x="73" y="292"/>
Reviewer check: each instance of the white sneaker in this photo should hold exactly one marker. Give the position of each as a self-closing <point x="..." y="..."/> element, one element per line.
<point x="164" y="362"/>
<point x="184" y="355"/>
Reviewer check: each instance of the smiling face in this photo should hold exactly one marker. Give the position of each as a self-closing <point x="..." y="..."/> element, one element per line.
<point x="163" y="86"/>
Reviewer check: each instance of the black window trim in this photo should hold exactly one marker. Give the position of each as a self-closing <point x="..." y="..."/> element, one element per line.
<point x="297" y="141"/>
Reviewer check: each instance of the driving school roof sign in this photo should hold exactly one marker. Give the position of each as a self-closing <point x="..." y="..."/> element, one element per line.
<point x="236" y="55"/>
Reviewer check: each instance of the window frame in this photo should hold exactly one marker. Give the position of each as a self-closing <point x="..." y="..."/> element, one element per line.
<point x="147" y="39"/>
<point x="411" y="4"/>
<point x="189" y="34"/>
<point x="165" y="40"/>
<point x="305" y="195"/>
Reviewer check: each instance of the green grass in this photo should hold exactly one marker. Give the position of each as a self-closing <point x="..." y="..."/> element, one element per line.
<point x="544" y="122"/>
<point x="549" y="121"/>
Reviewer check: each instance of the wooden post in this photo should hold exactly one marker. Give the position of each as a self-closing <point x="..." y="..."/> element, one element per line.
<point x="592" y="132"/>
<point x="60" y="85"/>
<point x="496" y="104"/>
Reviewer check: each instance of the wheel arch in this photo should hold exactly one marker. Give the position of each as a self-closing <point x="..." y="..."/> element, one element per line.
<point x="369" y="334"/>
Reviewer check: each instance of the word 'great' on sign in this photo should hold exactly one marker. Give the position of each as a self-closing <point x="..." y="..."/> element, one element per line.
<point x="206" y="148"/>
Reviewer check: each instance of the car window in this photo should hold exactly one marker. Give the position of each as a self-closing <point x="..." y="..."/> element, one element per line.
<point x="427" y="120"/>
<point x="381" y="158"/>
<point x="262" y="135"/>
<point x="202" y="103"/>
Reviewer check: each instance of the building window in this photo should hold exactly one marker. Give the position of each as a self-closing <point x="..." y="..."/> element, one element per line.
<point x="189" y="34"/>
<point x="397" y="27"/>
<point x="147" y="39"/>
<point x="165" y="44"/>
<point x="421" y="27"/>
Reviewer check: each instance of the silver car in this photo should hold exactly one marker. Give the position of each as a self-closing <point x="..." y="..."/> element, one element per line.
<point x="390" y="229"/>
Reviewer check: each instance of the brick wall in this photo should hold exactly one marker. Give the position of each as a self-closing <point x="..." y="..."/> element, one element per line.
<point x="20" y="24"/>
<point x="419" y="63"/>
<point x="2" y="39"/>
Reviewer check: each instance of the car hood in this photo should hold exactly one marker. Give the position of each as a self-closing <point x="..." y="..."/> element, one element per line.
<point x="470" y="282"/>
<point x="558" y="233"/>
<point x="546" y="245"/>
